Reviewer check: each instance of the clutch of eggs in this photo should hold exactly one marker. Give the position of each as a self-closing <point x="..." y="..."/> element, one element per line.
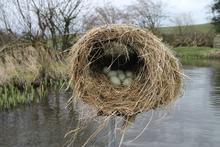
<point x="119" y="77"/>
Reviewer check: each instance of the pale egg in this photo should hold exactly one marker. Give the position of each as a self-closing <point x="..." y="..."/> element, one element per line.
<point x="129" y="74"/>
<point x="127" y="81"/>
<point x="115" y="80"/>
<point x="120" y="72"/>
<point x="112" y="73"/>
<point x="121" y="76"/>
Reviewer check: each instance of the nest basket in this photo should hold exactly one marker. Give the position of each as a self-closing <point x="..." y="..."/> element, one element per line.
<point x="157" y="73"/>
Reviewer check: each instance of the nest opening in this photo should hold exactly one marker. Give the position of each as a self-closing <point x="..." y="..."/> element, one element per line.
<point x="115" y="56"/>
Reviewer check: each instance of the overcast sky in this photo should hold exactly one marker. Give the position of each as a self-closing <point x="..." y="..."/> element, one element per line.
<point x="199" y="9"/>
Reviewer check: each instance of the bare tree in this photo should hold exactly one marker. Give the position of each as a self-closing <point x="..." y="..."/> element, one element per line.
<point x="148" y="14"/>
<point x="4" y="19"/>
<point x="105" y="15"/>
<point x="183" y="23"/>
<point x="6" y="33"/>
<point x="50" y="21"/>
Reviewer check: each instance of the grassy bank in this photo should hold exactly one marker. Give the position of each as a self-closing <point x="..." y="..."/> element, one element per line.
<point x="27" y="72"/>
<point x="197" y="52"/>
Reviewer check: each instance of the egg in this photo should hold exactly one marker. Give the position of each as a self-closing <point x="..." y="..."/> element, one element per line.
<point x="129" y="74"/>
<point x="112" y="73"/>
<point x="127" y="81"/>
<point x="106" y="70"/>
<point x="115" y="80"/>
<point x="121" y="76"/>
<point x="120" y="72"/>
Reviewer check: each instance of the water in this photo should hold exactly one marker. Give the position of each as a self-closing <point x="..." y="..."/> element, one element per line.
<point x="193" y="121"/>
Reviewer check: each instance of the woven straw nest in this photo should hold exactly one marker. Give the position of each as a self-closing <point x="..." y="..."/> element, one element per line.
<point x="157" y="80"/>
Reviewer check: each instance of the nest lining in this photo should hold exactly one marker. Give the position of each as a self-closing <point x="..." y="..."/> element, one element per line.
<point x="157" y="80"/>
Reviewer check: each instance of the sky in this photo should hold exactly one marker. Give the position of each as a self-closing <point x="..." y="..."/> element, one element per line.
<point x="199" y="9"/>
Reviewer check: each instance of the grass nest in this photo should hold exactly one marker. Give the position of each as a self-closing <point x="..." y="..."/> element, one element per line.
<point x="157" y="73"/>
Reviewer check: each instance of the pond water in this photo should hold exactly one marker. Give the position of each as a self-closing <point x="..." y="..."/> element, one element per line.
<point x="192" y="121"/>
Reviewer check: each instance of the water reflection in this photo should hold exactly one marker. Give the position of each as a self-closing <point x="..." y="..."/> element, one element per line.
<point x="214" y="67"/>
<point x="215" y="92"/>
<point x="40" y="125"/>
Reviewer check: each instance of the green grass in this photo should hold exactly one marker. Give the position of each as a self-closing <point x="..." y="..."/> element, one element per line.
<point x="203" y="28"/>
<point x="201" y="62"/>
<point x="11" y="96"/>
<point x="197" y="52"/>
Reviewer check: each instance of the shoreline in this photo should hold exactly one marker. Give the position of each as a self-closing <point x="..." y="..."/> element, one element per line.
<point x="197" y="52"/>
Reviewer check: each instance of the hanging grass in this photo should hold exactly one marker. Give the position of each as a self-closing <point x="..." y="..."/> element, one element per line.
<point x="157" y="76"/>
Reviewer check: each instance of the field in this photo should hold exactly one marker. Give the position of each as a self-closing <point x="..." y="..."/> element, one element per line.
<point x="197" y="52"/>
<point x="204" y="28"/>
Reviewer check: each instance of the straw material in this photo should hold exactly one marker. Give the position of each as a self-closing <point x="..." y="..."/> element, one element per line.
<point x="157" y="72"/>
